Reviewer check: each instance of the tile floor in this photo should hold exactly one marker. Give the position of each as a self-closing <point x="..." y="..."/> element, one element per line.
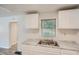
<point x="10" y="51"/>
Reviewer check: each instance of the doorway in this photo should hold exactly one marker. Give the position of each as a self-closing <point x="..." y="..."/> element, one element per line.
<point x="13" y="33"/>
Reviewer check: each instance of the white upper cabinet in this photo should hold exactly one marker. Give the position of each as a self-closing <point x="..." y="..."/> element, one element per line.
<point x="32" y="21"/>
<point x="68" y="19"/>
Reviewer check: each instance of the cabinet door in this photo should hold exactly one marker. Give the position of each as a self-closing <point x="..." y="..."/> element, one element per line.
<point x="63" y="21"/>
<point x="74" y="18"/>
<point x="68" y="52"/>
<point x="30" y="49"/>
<point x="69" y="19"/>
<point x="32" y="21"/>
<point x="13" y="33"/>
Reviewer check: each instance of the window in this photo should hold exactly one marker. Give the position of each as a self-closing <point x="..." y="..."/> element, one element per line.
<point x="48" y="27"/>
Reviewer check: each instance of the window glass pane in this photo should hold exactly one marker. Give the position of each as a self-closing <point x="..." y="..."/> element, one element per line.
<point x="48" y="27"/>
<point x="47" y="24"/>
<point x="48" y="33"/>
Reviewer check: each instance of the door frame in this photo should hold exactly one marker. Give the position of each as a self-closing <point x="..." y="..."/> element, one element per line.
<point x="10" y="32"/>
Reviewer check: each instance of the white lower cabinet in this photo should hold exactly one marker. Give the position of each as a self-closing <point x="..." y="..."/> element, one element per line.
<point x="68" y="52"/>
<point x="77" y="53"/>
<point x="39" y="50"/>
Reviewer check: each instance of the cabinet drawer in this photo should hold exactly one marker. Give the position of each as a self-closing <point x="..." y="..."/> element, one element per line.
<point x="68" y="52"/>
<point x="40" y="50"/>
<point x="33" y="52"/>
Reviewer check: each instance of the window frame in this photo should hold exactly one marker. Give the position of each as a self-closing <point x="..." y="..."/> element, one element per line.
<point x="45" y="28"/>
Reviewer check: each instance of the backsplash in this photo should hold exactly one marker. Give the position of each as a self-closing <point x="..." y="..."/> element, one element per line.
<point x="32" y="30"/>
<point x="35" y="34"/>
<point x="69" y="31"/>
<point x="68" y="35"/>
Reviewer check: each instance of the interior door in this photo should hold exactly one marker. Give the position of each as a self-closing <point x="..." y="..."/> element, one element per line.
<point x="13" y="33"/>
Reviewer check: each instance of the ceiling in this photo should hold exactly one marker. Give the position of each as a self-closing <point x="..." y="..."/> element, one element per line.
<point x="6" y="9"/>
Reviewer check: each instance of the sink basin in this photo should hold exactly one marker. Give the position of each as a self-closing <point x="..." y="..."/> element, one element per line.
<point x="48" y="42"/>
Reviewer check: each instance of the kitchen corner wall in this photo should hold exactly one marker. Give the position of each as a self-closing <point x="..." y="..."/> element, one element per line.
<point x="4" y="31"/>
<point x="68" y="35"/>
<point x="4" y="21"/>
<point x="5" y="41"/>
<point x="37" y="34"/>
<point x="33" y="33"/>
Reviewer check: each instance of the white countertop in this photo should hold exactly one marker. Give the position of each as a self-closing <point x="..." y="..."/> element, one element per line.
<point x="35" y="43"/>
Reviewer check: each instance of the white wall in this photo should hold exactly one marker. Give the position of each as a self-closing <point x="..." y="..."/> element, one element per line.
<point x="4" y="31"/>
<point x="48" y="15"/>
<point x="68" y="35"/>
